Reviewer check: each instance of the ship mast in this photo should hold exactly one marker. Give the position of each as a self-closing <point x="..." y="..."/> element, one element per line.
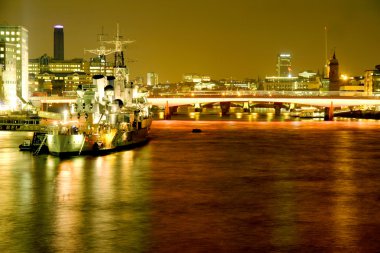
<point x="101" y="52"/>
<point x="122" y="87"/>
<point x="119" y="54"/>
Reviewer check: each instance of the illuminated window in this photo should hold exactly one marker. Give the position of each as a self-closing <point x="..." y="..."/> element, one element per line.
<point x="6" y="33"/>
<point x="1" y="55"/>
<point x="13" y="33"/>
<point x="2" y="33"/>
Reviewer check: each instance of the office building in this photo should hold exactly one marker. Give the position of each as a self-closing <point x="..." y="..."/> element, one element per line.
<point x="372" y="80"/>
<point x="195" y="78"/>
<point x="99" y="66"/>
<point x="55" y="77"/>
<point x="14" y="61"/>
<point x="8" y="66"/>
<point x="284" y="65"/>
<point x="151" y="79"/>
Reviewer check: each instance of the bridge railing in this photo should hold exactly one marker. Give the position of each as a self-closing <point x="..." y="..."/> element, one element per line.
<point x="260" y="93"/>
<point x="37" y="101"/>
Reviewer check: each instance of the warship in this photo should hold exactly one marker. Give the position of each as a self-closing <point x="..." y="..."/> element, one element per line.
<point x="109" y="114"/>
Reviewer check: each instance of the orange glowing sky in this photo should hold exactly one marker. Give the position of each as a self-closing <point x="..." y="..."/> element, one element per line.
<point x="221" y="38"/>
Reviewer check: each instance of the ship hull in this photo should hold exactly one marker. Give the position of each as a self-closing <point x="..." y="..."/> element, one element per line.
<point x="80" y="144"/>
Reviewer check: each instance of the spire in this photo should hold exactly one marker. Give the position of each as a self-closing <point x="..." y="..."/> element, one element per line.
<point x="334" y="60"/>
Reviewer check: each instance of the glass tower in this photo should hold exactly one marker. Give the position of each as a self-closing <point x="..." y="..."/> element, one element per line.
<point x="284" y="64"/>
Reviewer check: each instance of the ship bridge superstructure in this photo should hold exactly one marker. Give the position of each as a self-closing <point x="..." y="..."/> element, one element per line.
<point x="123" y="89"/>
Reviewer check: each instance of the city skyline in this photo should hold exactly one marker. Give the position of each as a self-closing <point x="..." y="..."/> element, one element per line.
<point x="224" y="40"/>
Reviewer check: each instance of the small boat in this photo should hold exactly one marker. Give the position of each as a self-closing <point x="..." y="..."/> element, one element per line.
<point x="38" y="142"/>
<point x="312" y="114"/>
<point x="196" y="130"/>
<point x="307" y="112"/>
<point x="26" y="145"/>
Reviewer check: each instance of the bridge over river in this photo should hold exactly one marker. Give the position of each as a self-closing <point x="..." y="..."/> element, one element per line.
<point x="315" y="98"/>
<point x="328" y="99"/>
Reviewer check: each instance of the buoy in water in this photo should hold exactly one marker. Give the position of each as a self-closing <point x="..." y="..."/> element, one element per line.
<point x="196" y="130"/>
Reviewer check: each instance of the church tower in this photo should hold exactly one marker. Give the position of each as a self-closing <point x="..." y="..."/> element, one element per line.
<point x="334" y="74"/>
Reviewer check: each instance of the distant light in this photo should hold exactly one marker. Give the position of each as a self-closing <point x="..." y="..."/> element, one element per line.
<point x="344" y="77"/>
<point x="58" y="26"/>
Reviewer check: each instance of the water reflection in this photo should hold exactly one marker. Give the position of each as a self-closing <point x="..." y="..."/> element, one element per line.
<point x="84" y="204"/>
<point x="244" y="185"/>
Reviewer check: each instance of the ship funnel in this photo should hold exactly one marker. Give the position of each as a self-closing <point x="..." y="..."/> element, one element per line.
<point x="100" y="82"/>
<point x="111" y="80"/>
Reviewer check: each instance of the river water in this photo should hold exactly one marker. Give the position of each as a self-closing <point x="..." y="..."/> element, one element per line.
<point x="243" y="185"/>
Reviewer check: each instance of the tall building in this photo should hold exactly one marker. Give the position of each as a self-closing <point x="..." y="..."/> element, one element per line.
<point x="8" y="90"/>
<point x="14" y="61"/>
<point x="58" y="43"/>
<point x="151" y="79"/>
<point x="284" y="65"/>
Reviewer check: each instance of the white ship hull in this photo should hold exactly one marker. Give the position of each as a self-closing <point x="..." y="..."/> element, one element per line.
<point x="58" y="144"/>
<point x="81" y="144"/>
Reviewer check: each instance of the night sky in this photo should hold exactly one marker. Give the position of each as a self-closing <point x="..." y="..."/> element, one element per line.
<point x="224" y="39"/>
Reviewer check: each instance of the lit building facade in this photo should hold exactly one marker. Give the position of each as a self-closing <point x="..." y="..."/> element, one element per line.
<point x="14" y="41"/>
<point x="55" y="77"/>
<point x="195" y="78"/>
<point x="8" y="67"/>
<point x="151" y="79"/>
<point x="372" y="80"/>
<point x="99" y="66"/>
<point x="284" y="65"/>
<point x="305" y="81"/>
